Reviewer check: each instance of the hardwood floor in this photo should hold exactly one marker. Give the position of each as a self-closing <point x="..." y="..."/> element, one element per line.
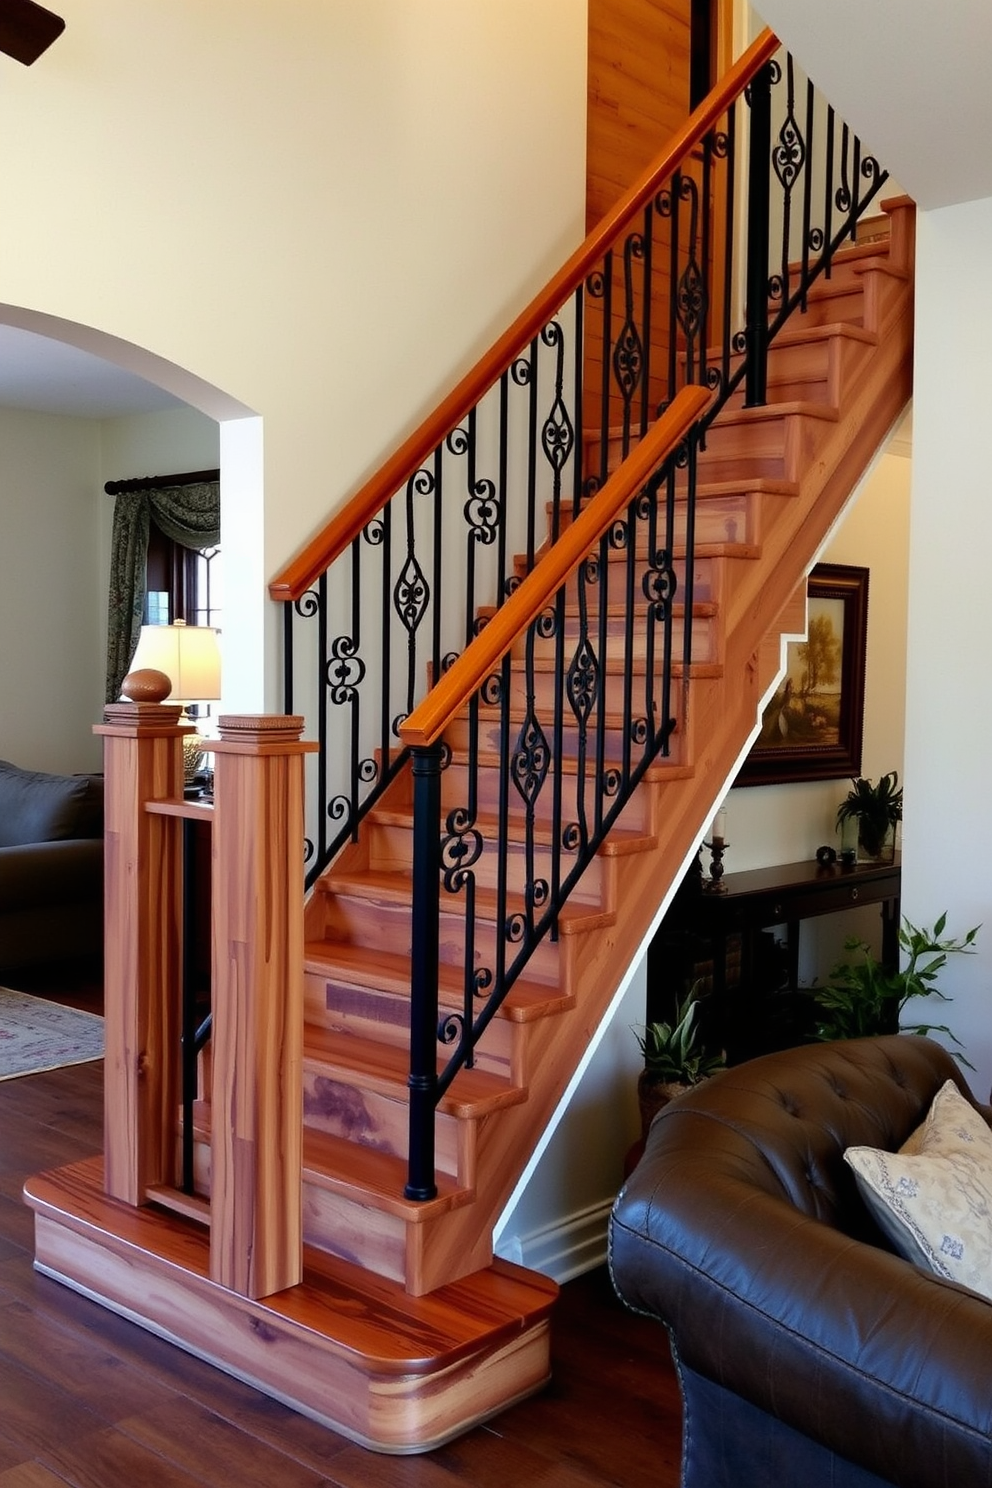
<point x="91" y="1400"/>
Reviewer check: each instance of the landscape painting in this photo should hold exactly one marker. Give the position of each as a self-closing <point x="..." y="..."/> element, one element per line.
<point x="812" y="727"/>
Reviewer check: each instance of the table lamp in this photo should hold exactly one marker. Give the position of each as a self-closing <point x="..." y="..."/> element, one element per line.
<point x="190" y="657"/>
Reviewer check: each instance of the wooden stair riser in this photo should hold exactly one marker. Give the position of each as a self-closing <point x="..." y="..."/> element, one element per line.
<point x="457" y="789"/>
<point x="380" y="1121"/>
<point x="386" y="1243"/>
<point x="374" y="1012"/>
<point x="705" y="638"/>
<point x="455" y="792"/>
<point x="357" y="917"/>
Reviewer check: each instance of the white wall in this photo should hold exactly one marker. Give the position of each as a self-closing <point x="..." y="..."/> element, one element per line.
<point x="52" y="623"/>
<point x="774" y="824"/>
<point x="949" y="700"/>
<point x="325" y="212"/>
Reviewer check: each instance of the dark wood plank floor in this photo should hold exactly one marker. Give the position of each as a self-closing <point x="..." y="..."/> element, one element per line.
<point x="91" y="1400"/>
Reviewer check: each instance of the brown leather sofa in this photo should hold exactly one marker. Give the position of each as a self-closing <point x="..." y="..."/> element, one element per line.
<point x="51" y="867"/>
<point x="808" y="1353"/>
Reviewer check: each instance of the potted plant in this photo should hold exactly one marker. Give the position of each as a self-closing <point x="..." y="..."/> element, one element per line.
<point x="675" y="1057"/>
<point x="876" y="809"/>
<point x="863" y="999"/>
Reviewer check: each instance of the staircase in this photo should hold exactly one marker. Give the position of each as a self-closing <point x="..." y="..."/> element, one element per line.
<point x="405" y="1331"/>
<point x="771" y="482"/>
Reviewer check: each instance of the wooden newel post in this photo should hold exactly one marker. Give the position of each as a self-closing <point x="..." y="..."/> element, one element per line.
<point x="143" y="945"/>
<point x="256" y="1244"/>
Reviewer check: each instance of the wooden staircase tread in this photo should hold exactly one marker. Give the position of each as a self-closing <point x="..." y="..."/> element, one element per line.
<point x="757" y="485"/>
<point x="363" y="1173"/>
<point x="768" y="412"/>
<point x="385" y="1067"/>
<point x="395" y="887"/>
<point x="351" y="1310"/>
<point x="800" y="335"/>
<point x="389" y="972"/>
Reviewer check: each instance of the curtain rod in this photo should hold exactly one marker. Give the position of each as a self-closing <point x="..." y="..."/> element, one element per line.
<point x="155" y="482"/>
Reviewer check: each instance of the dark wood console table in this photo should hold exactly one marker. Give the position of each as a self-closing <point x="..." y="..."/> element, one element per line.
<point x="700" y="926"/>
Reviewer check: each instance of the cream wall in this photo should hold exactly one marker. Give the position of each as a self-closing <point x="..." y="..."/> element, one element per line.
<point x="52" y="625"/>
<point x="315" y="216"/>
<point x="949" y="700"/>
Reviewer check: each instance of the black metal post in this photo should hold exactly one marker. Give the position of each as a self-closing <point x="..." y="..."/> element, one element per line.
<point x="759" y="154"/>
<point x="422" y="1080"/>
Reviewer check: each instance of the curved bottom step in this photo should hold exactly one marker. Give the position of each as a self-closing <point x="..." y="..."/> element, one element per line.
<point x="394" y="1373"/>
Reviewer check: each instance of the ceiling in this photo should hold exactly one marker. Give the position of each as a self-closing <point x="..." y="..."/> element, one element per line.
<point x="47" y="376"/>
<point x="912" y="77"/>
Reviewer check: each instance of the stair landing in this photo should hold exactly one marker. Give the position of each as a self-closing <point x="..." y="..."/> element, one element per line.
<point x="395" y="1373"/>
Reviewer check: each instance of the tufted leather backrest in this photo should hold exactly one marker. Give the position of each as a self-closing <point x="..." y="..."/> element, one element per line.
<point x="784" y="1120"/>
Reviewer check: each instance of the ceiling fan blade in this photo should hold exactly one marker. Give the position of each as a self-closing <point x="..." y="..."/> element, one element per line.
<point x="27" y="29"/>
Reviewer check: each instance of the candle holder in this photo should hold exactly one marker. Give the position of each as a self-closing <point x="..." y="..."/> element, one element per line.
<point x="714" y="884"/>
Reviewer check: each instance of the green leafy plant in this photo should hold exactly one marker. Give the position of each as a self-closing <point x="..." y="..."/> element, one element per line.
<point x="876" y="808"/>
<point x="674" y="1053"/>
<point x="863" y="999"/>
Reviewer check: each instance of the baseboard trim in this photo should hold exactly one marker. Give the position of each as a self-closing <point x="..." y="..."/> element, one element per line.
<point x="567" y="1248"/>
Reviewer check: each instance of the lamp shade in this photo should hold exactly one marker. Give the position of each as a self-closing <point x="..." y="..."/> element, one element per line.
<point x="188" y="655"/>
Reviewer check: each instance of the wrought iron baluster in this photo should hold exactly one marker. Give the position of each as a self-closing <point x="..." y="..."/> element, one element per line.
<point x="532" y="439"/>
<point x="828" y="204"/>
<point x="706" y="257"/>
<point x="756" y="331"/>
<point x="648" y="292"/>
<point x="668" y="205"/>
<point x="578" y="382"/>
<point x="730" y="154"/>
<point x="809" y="242"/>
<point x="557" y="432"/>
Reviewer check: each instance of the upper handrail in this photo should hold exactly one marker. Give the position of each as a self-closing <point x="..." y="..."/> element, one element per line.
<point x="298" y="575"/>
<point x="464" y="677"/>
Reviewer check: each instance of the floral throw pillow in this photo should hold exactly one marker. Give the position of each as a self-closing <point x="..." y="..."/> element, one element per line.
<point x="933" y="1198"/>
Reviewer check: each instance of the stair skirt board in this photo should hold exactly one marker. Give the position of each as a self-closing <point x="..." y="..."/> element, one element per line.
<point x="388" y="1372"/>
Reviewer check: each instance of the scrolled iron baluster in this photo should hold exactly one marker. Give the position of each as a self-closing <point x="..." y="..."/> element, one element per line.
<point x="557" y="432"/>
<point x="344" y="671"/>
<point x="628" y="349"/>
<point x="461" y="848"/>
<point x="691" y="299"/>
<point x="450" y="1028"/>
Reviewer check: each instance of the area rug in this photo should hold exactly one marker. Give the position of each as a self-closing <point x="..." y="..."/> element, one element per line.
<point x="39" y="1035"/>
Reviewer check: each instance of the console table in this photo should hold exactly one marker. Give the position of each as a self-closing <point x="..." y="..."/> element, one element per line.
<point x="700" y="926"/>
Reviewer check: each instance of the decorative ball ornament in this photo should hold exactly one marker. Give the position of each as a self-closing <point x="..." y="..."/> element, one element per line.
<point x="146" y="685"/>
<point x="826" y="856"/>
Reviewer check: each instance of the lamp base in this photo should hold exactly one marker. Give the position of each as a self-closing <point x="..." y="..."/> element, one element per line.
<point x="192" y="751"/>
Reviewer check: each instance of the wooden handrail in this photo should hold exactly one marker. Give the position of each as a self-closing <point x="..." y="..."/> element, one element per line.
<point x="297" y="577"/>
<point x="465" y="676"/>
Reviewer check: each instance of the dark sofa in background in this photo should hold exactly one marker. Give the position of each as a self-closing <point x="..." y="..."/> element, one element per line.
<point x="51" y="867"/>
<point x="809" y="1354"/>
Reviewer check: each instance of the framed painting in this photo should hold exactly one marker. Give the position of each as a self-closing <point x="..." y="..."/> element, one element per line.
<point x="812" y="727"/>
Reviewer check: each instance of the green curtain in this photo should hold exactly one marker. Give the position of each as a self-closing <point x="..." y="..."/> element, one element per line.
<point x="190" y="515"/>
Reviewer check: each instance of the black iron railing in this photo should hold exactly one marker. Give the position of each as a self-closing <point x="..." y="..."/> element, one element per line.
<point x="684" y="285"/>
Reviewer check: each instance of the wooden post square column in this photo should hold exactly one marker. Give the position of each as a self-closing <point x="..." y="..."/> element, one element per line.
<point x="142" y="748"/>
<point x="256" y="1244"/>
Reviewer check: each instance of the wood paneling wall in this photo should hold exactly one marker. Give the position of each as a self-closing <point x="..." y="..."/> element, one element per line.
<point x="638" y="91"/>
